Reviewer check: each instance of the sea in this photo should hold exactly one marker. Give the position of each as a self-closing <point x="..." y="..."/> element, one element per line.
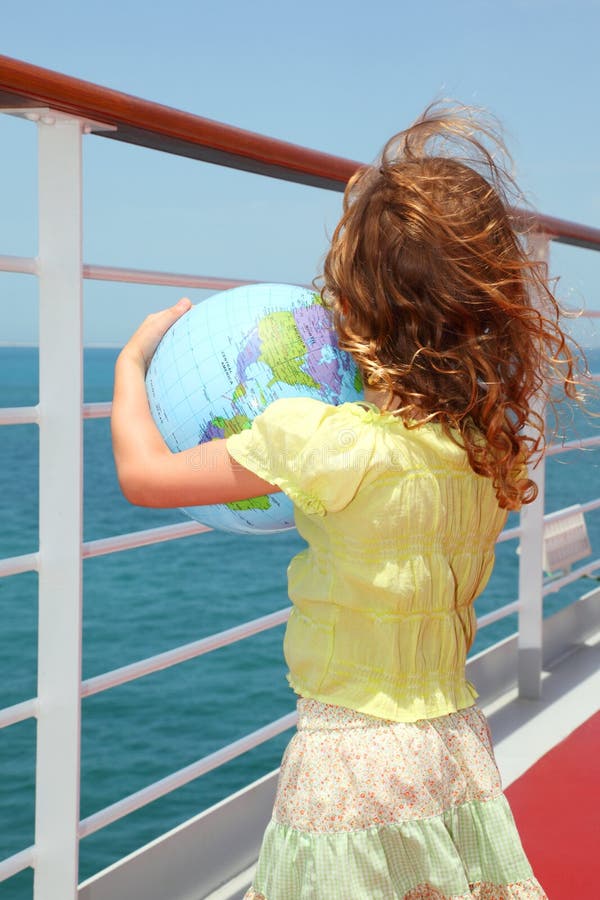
<point x="144" y="601"/>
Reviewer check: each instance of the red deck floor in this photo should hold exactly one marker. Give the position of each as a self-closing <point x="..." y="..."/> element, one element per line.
<point x="556" y="805"/>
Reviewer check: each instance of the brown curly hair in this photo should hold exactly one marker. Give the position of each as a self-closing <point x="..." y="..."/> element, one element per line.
<point x="436" y="298"/>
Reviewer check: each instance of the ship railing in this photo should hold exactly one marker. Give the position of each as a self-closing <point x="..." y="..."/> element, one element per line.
<point x="66" y="109"/>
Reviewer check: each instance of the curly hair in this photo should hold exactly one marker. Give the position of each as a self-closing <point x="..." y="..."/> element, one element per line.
<point x="435" y="296"/>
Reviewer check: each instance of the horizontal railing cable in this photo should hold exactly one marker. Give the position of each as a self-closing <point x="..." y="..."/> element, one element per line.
<point x="579" y="444"/>
<point x="569" y="510"/>
<point x="142" y="538"/>
<point x="497" y="614"/>
<point x="97" y="410"/>
<point x="29" y="266"/>
<point x="27" y="415"/>
<point x="165" y="279"/>
<point x="19" y="415"/>
<point x="16" y="565"/>
<point x="27" y="709"/>
<point x="509" y="534"/>
<point x="10" y="715"/>
<point x="22" y="265"/>
<point x="12" y="865"/>
<point x="552" y="585"/>
<point x="183" y="776"/>
<point x="183" y="653"/>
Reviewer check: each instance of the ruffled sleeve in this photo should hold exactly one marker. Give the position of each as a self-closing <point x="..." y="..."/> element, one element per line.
<point x="316" y="453"/>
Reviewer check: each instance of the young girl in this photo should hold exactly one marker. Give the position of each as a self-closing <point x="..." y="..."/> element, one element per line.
<point x="389" y="788"/>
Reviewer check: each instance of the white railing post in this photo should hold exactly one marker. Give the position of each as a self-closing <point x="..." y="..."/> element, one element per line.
<point x="531" y="575"/>
<point x="60" y="511"/>
<point x="530" y="592"/>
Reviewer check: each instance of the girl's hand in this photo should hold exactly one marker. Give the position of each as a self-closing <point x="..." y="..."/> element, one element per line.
<point x="143" y="343"/>
<point x="149" y="473"/>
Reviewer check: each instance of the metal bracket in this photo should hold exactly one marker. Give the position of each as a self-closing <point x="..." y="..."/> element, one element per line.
<point x="48" y="116"/>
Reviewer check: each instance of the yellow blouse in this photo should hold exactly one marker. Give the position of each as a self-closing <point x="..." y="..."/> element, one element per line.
<point x="400" y="535"/>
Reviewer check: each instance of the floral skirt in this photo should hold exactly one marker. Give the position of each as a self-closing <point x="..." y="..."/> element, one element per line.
<point x="370" y="809"/>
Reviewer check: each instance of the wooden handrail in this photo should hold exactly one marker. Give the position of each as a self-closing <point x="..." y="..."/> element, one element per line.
<point x="171" y="130"/>
<point x="160" y="127"/>
<point x="560" y="230"/>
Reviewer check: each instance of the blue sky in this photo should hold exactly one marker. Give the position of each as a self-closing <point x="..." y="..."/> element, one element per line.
<point x="337" y="76"/>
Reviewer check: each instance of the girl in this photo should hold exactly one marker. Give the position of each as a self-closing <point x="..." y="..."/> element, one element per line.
<point x="389" y="788"/>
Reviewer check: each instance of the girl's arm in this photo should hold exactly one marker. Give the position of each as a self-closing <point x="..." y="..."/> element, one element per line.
<point x="149" y="473"/>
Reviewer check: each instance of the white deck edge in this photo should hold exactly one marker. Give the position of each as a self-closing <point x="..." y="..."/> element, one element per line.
<point x="212" y="856"/>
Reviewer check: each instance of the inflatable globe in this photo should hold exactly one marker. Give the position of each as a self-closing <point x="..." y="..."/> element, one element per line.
<point x="225" y="360"/>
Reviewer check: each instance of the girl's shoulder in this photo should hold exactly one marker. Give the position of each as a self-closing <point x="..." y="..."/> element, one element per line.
<point x="307" y="426"/>
<point x="316" y="452"/>
<point x="320" y="421"/>
<point x="308" y="414"/>
<point x="311" y="410"/>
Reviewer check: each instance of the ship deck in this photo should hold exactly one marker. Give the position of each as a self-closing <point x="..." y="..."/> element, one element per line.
<point x="547" y="753"/>
<point x="524" y="730"/>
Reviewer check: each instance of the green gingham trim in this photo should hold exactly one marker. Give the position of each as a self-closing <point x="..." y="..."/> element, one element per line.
<point x="474" y="842"/>
<point x="518" y="890"/>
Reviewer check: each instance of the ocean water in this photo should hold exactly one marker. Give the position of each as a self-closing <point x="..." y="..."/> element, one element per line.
<point x="141" y="602"/>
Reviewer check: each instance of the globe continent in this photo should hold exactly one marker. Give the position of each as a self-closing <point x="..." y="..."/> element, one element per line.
<point x="226" y="360"/>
